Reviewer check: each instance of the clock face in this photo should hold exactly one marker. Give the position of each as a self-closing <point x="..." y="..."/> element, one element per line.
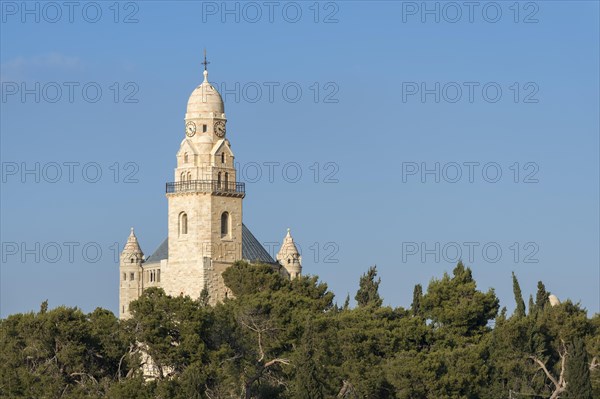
<point x="190" y="129"/>
<point x="220" y="128"/>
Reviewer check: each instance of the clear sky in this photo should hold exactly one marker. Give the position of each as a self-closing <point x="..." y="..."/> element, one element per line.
<point x="423" y="132"/>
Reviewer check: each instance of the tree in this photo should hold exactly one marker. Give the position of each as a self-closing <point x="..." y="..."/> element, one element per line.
<point x="308" y="381"/>
<point x="346" y="303"/>
<point x="579" y="385"/>
<point x="531" y="306"/>
<point x="520" y="309"/>
<point x="243" y="278"/>
<point x="455" y="305"/>
<point x="541" y="297"/>
<point x="416" y="303"/>
<point x="368" y="291"/>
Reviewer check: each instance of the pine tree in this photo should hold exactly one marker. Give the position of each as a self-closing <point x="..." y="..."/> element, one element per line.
<point x="520" y="310"/>
<point x="577" y="373"/>
<point x="368" y="292"/>
<point x="416" y="303"/>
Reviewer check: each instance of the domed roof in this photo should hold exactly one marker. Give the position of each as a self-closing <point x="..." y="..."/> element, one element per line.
<point x="204" y="100"/>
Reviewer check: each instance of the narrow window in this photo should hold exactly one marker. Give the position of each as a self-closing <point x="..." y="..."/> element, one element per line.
<point x="131" y="276"/>
<point x="189" y="176"/>
<point x="183" y="223"/>
<point x="226" y="181"/>
<point x="124" y="276"/>
<point x="123" y="309"/>
<point x="219" y="180"/>
<point x="222" y="157"/>
<point x="182" y="176"/>
<point x="158" y="276"/>
<point x="185" y="157"/>
<point x="224" y="224"/>
<point x="204" y="128"/>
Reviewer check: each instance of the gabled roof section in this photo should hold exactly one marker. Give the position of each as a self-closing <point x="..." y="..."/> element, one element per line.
<point x="218" y="145"/>
<point x="187" y="146"/>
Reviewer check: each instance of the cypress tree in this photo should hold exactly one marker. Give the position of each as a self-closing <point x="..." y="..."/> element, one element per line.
<point x="308" y="381"/>
<point x="416" y="303"/>
<point x="531" y="305"/>
<point x="520" y="310"/>
<point x="577" y="372"/>
<point x="541" y="298"/>
<point x="347" y="303"/>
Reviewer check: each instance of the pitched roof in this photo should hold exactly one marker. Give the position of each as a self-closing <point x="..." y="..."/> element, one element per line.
<point x="252" y="249"/>
<point x="160" y="253"/>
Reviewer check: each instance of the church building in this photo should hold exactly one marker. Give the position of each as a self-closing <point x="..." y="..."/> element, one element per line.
<point x="206" y="233"/>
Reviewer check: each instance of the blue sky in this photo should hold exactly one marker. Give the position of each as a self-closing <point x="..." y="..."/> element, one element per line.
<point x="398" y="115"/>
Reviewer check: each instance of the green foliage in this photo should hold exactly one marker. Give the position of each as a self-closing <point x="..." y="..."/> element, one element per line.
<point x="520" y="309"/>
<point x="456" y="307"/>
<point x="244" y="278"/>
<point x="368" y="291"/>
<point x="285" y="339"/>
<point x="417" y="297"/>
<point x="541" y="297"/>
<point x="579" y="385"/>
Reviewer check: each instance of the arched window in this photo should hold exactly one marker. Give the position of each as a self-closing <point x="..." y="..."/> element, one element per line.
<point x="219" y="180"/>
<point x="182" y="176"/>
<point x="183" y="223"/>
<point x="131" y="260"/>
<point x="222" y="157"/>
<point x="185" y="157"/>
<point x="189" y="176"/>
<point x="226" y="181"/>
<point x="224" y="224"/>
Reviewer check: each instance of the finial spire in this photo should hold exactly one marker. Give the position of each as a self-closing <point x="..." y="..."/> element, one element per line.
<point x="205" y="63"/>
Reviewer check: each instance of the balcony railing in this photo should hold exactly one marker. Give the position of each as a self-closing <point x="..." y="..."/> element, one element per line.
<point x="208" y="186"/>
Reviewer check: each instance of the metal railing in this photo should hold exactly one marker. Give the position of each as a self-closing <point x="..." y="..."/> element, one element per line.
<point x="207" y="186"/>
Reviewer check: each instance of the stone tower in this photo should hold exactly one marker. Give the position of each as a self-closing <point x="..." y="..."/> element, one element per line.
<point x="130" y="267"/>
<point x="205" y="230"/>
<point x="289" y="257"/>
<point x="204" y="201"/>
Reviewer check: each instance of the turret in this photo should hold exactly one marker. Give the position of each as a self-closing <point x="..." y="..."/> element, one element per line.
<point x="130" y="268"/>
<point x="289" y="257"/>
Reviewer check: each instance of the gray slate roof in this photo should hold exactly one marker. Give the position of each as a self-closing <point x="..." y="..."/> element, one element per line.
<point x="252" y="249"/>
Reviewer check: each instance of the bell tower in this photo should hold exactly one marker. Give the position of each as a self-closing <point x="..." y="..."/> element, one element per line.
<point x="204" y="201"/>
